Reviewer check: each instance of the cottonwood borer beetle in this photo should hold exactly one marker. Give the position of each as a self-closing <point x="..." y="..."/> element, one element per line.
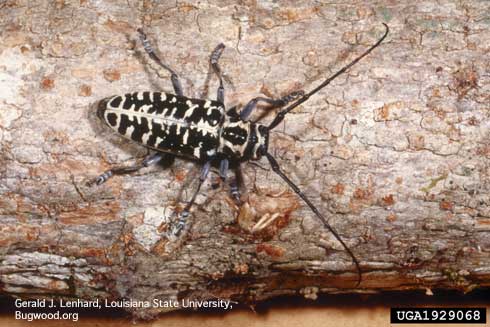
<point x="201" y="130"/>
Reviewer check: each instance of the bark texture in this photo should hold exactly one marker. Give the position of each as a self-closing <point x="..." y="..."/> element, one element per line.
<point x="395" y="152"/>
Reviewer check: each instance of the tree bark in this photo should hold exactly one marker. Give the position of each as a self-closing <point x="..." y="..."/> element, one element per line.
<point x="395" y="152"/>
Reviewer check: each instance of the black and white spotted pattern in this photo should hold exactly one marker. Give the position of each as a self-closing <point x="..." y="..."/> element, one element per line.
<point x="193" y="128"/>
<point x="166" y="122"/>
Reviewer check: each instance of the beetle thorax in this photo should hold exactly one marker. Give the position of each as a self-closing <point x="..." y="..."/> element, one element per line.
<point x="242" y="140"/>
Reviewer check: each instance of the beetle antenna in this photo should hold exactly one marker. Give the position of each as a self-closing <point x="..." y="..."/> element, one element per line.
<point x="277" y="170"/>
<point x="281" y="114"/>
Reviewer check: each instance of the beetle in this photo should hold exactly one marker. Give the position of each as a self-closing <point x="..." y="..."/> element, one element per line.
<point x="203" y="131"/>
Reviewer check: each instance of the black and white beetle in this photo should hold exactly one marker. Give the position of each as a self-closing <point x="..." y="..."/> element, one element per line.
<point x="202" y="130"/>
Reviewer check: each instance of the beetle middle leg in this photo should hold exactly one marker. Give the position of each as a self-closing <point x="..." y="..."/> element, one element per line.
<point x="275" y="103"/>
<point x="235" y="182"/>
<point x="148" y="161"/>
<point x="151" y="53"/>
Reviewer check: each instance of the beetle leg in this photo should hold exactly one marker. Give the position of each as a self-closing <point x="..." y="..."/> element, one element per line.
<point x="215" y="55"/>
<point x="223" y="169"/>
<point x="235" y="183"/>
<point x="148" y="161"/>
<point x="173" y="75"/>
<point x="234" y="191"/>
<point x="181" y="221"/>
<point x="275" y="103"/>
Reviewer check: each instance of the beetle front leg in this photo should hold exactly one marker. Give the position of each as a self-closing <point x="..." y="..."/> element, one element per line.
<point x="148" y="161"/>
<point x="274" y="103"/>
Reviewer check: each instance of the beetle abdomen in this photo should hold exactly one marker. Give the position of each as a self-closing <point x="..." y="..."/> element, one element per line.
<point x="166" y="122"/>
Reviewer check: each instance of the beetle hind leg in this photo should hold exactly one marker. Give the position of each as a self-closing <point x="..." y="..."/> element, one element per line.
<point x="148" y="161"/>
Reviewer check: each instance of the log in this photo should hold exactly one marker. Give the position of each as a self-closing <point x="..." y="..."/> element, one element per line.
<point x="395" y="152"/>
